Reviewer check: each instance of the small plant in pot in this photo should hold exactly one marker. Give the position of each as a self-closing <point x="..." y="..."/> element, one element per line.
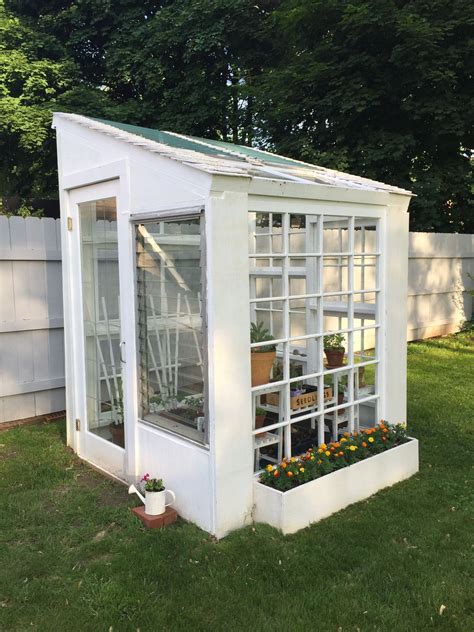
<point x="334" y="350"/>
<point x="262" y="358"/>
<point x="155" y="495"/>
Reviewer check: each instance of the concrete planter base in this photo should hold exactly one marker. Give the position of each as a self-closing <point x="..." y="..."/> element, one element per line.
<point x="298" y="508"/>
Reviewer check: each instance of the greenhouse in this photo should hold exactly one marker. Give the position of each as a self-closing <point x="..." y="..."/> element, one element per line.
<point x="225" y="308"/>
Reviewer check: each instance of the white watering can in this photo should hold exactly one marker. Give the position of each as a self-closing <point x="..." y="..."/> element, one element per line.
<point x="155" y="502"/>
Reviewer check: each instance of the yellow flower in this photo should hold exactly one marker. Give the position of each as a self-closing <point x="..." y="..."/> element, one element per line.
<point x="353" y="448"/>
<point x="343" y="439"/>
<point x="320" y="451"/>
<point x="301" y="469"/>
<point x="293" y="460"/>
<point x="312" y="458"/>
<point x="323" y="446"/>
<point x="269" y="468"/>
<point x="371" y="439"/>
<point x="327" y="453"/>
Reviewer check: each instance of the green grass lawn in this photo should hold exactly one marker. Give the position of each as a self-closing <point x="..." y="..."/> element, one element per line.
<point x="74" y="558"/>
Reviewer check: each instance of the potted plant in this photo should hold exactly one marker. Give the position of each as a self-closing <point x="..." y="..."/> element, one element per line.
<point x="262" y="358"/>
<point x="260" y="414"/>
<point x="155" y="495"/>
<point x="334" y="349"/>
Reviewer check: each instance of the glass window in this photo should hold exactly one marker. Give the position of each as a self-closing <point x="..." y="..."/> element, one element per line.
<point x="314" y="291"/>
<point x="100" y="295"/>
<point x="170" y="326"/>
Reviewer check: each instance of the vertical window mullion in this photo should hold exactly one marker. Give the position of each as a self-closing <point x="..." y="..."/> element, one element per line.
<point x="286" y="330"/>
<point x="320" y="329"/>
<point x="350" y="316"/>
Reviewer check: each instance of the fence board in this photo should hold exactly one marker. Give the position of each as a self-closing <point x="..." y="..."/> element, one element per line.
<point x="31" y="321"/>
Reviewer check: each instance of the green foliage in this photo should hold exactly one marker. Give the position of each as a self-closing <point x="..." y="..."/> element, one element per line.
<point x="322" y="460"/>
<point x="379" y="88"/>
<point x="334" y="341"/>
<point x="152" y="484"/>
<point x="259" y="333"/>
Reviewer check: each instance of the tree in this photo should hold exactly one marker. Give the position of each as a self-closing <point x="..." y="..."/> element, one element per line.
<point x="381" y="88"/>
<point x="185" y="65"/>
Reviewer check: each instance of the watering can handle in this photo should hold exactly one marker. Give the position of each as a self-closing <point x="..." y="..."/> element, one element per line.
<point x="173" y="495"/>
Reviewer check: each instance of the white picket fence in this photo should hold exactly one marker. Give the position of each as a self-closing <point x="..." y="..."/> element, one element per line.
<point x="31" y="313"/>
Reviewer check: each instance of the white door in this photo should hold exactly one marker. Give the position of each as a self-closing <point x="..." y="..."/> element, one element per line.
<point x="98" y="343"/>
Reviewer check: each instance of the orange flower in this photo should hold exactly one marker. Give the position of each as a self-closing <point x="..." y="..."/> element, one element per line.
<point x="346" y="434"/>
<point x="341" y="453"/>
<point x="276" y="473"/>
<point x="385" y="429"/>
<point x="364" y="445"/>
<point x="337" y="445"/>
<point x="384" y="438"/>
<point x="290" y="474"/>
<point x="355" y="434"/>
<point x="283" y="464"/>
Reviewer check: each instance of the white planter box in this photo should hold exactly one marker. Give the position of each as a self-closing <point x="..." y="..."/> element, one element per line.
<point x="296" y="509"/>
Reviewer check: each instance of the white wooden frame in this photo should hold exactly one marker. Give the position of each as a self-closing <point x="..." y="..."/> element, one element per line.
<point x="372" y="216"/>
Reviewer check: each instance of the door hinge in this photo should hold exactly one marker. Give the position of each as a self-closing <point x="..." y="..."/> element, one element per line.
<point x="69" y="223"/>
<point x="78" y="424"/>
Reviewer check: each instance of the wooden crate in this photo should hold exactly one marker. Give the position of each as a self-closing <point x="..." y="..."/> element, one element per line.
<point x="298" y="402"/>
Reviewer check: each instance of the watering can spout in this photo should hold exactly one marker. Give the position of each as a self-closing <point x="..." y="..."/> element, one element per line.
<point x="133" y="490"/>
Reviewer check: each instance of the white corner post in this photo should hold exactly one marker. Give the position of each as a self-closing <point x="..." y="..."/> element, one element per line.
<point x="228" y="320"/>
<point x="395" y="289"/>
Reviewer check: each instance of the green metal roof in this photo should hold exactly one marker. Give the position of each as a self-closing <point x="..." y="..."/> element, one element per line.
<point x="216" y="148"/>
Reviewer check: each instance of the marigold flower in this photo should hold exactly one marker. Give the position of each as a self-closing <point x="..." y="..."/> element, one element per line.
<point x="293" y="460"/>
<point x="312" y="458"/>
<point x="353" y="448"/>
<point x="346" y="434"/>
<point x="364" y="445"/>
<point x="343" y="440"/>
<point x="371" y="439"/>
<point x="301" y="469"/>
<point x="283" y="464"/>
<point x="319" y="462"/>
<point x="290" y="474"/>
<point x="384" y="438"/>
<point x="341" y="453"/>
<point x="269" y="468"/>
<point x="327" y="453"/>
<point x="385" y="429"/>
<point x="276" y="473"/>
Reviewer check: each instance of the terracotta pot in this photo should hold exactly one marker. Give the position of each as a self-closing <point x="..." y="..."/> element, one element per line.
<point x="335" y="357"/>
<point x="118" y="435"/>
<point x="261" y="366"/>
<point x="259" y="421"/>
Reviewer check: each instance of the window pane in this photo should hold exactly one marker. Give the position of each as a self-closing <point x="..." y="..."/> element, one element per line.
<point x="100" y="295"/>
<point x="170" y="334"/>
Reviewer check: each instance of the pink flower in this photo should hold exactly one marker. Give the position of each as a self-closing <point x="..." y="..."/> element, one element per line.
<point x="146" y="477"/>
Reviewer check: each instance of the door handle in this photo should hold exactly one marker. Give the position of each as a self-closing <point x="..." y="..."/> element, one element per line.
<point x="121" y="356"/>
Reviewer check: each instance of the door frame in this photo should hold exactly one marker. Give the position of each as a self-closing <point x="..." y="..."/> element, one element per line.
<point x="111" y="180"/>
